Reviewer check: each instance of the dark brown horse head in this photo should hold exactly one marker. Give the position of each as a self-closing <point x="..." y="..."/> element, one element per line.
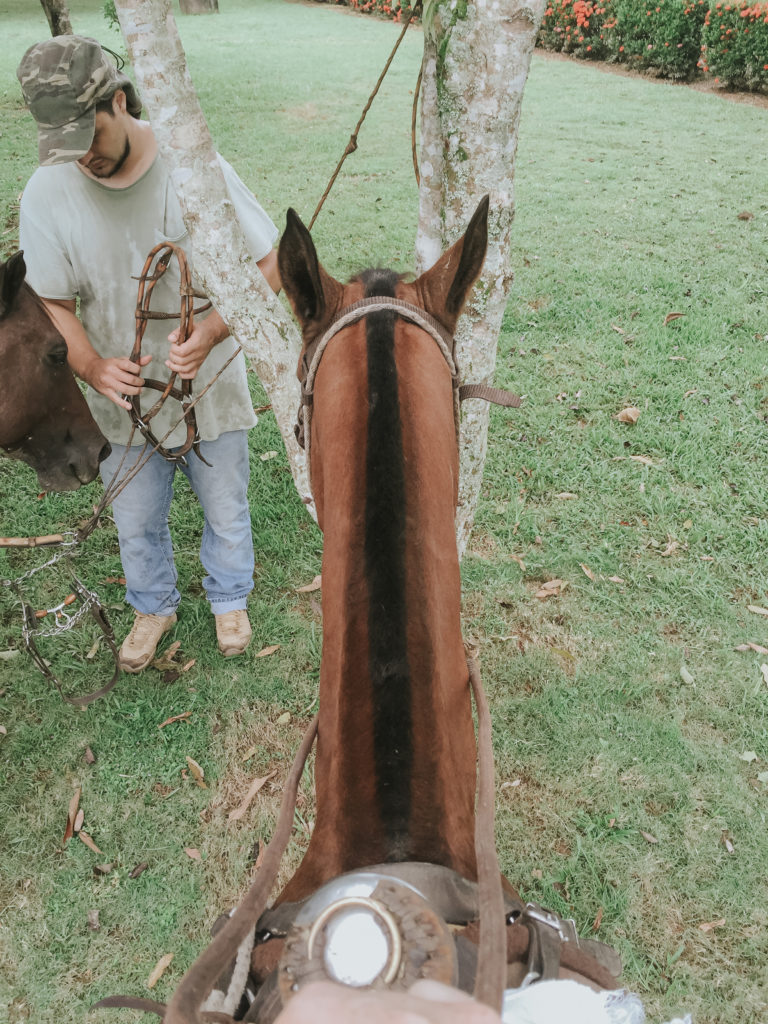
<point x="44" y="418"/>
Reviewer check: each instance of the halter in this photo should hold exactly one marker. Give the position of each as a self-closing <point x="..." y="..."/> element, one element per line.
<point x="163" y="253"/>
<point x="414" y="314"/>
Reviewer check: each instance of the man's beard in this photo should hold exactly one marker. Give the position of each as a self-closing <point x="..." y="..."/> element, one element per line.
<point x="118" y="165"/>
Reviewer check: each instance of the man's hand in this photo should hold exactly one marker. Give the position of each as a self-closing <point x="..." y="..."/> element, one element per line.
<point x="186" y="359"/>
<point x="116" y="378"/>
<point x="427" y="1002"/>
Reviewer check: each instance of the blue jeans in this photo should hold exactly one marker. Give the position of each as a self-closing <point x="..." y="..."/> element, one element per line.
<point x="141" y="516"/>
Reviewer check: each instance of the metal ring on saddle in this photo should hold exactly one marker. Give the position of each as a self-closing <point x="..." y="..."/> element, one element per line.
<point x="161" y="256"/>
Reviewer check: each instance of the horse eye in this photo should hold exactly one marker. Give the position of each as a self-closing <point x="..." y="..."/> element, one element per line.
<point x="58" y="355"/>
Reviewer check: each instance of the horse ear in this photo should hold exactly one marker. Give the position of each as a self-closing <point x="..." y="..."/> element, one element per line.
<point x="12" y="275"/>
<point x="312" y="292"/>
<point x="444" y="288"/>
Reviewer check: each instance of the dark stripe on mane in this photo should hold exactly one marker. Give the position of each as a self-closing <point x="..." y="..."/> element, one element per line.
<point x="385" y="572"/>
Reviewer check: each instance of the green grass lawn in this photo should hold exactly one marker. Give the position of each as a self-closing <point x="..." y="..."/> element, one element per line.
<point x="631" y="735"/>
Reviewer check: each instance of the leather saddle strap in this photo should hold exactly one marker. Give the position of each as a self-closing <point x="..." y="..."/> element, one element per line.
<point x="498" y="396"/>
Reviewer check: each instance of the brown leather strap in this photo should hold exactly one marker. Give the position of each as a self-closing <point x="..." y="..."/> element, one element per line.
<point x="498" y="396"/>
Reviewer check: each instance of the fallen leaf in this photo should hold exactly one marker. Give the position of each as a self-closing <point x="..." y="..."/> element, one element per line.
<point x="616" y="579"/>
<point x="262" y="408"/>
<point x="139" y="870"/>
<point x="253" y="789"/>
<point x="79" y="820"/>
<point x="197" y="772"/>
<point x="188" y="665"/>
<point x="552" y="588"/>
<point x="686" y="676"/>
<point x="757" y="648"/>
<point x="688" y="394"/>
<point x="266" y="651"/>
<point x="284" y="719"/>
<point x="71" y="815"/>
<point x="192" y="852"/>
<point x="518" y="559"/>
<point x="90" y="757"/>
<point x="672" y="316"/>
<point x="629" y="415"/>
<point x="757" y="609"/>
<point x="249" y="754"/>
<point x="316" y="584"/>
<point x="670" y="549"/>
<point x="749" y="756"/>
<point x="726" y="841"/>
<point x="175" y="718"/>
<point x="764" y="670"/>
<point x="745" y="215"/>
<point x="102" y="869"/>
<point x="762" y="776"/>
<point x="566" y="495"/>
<point x="165" y="661"/>
<point x="587" y="571"/>
<point x="116" y="579"/>
<point x="648" y="837"/>
<point x="159" y="970"/>
<point x="617" y="329"/>
<point x="93" y="920"/>
<point x="3" y="731"/>
<point x="267" y="456"/>
<point x="598" y="920"/>
<point x="88" y="841"/>
<point x="537" y="873"/>
<point x="94" y="649"/>
<point x="645" y="459"/>
<point x="708" y="926"/>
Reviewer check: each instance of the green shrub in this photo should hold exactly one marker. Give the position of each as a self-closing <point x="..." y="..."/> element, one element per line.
<point x="578" y="27"/>
<point x="664" y="35"/>
<point x="735" y="45"/>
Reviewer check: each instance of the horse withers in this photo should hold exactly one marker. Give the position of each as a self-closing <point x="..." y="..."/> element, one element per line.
<point x="44" y="418"/>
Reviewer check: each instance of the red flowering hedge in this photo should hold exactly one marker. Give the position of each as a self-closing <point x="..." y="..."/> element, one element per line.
<point x="676" y="38"/>
<point x="735" y="44"/>
<point x="660" y="34"/>
<point x="394" y="9"/>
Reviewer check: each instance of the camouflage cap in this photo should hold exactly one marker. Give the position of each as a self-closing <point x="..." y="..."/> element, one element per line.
<point x="62" y="80"/>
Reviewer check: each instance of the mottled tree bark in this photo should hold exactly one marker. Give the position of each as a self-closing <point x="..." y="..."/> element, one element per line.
<point x="221" y="261"/>
<point x="476" y="61"/>
<point x="57" y="13"/>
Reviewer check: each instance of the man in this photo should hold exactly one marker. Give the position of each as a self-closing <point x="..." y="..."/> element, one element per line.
<point x="99" y="202"/>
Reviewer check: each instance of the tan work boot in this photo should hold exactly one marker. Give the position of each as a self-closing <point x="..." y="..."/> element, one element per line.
<point x="139" y="646"/>
<point x="233" y="631"/>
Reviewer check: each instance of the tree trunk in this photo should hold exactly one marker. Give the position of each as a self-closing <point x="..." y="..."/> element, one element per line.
<point x="199" y="6"/>
<point x="476" y="61"/>
<point x="57" y="13"/>
<point x="221" y="261"/>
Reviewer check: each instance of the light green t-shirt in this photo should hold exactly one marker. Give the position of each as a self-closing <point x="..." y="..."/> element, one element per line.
<point x="83" y="239"/>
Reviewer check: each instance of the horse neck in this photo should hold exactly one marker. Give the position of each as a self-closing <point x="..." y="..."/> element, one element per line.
<point x="395" y="760"/>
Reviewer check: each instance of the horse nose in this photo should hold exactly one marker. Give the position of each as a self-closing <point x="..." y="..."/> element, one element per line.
<point x="105" y="452"/>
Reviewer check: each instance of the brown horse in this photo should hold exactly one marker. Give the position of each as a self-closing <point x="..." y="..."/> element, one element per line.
<point x="395" y="764"/>
<point x="396" y="750"/>
<point x="44" y="418"/>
